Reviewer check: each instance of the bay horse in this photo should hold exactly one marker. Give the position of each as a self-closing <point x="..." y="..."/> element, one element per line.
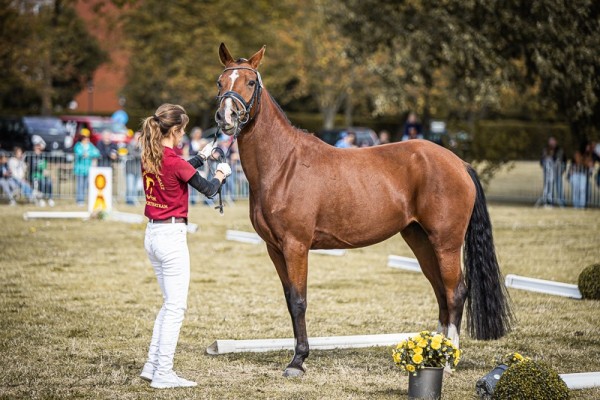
<point x="306" y="194"/>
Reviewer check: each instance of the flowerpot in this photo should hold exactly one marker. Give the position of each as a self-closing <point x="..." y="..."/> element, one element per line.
<point x="427" y="384"/>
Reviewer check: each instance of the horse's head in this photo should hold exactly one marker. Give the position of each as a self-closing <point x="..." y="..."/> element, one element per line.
<point x="240" y="87"/>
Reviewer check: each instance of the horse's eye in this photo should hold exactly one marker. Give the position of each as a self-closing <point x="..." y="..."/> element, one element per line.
<point x="251" y="83"/>
<point x="219" y="85"/>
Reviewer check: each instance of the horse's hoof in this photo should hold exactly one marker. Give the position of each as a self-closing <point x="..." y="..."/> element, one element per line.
<point x="293" y="372"/>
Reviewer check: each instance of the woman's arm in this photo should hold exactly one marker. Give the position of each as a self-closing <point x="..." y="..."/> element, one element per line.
<point x="204" y="186"/>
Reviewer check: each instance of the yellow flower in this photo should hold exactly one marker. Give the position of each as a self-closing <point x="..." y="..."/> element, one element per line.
<point x="437" y="338"/>
<point x="417" y="358"/>
<point x="411" y="344"/>
<point x="401" y="344"/>
<point x="422" y="343"/>
<point x="435" y="345"/>
<point x="410" y="368"/>
<point x="518" y="357"/>
<point x="418" y="350"/>
<point x="397" y="357"/>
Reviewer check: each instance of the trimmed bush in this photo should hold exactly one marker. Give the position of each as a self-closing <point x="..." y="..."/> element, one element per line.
<point x="531" y="380"/>
<point x="589" y="282"/>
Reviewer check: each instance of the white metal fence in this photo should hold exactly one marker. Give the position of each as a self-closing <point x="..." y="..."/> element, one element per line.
<point x="52" y="176"/>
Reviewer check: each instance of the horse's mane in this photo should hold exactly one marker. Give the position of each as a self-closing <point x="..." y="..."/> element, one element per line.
<point x="284" y="114"/>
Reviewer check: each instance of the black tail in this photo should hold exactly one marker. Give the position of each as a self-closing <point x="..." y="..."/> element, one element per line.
<point x="488" y="309"/>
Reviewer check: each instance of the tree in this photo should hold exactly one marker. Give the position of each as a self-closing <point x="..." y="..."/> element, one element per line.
<point x="49" y="55"/>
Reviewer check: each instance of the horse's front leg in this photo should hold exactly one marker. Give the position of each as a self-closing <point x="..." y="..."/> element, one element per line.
<point x="292" y="269"/>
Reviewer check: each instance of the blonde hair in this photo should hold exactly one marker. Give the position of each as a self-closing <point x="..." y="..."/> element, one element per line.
<point x="166" y="119"/>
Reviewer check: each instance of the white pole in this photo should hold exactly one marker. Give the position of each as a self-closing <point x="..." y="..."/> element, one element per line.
<point x="56" y="214"/>
<point x="316" y="343"/>
<point x="584" y="380"/>
<point x="404" y="263"/>
<point x="542" y="286"/>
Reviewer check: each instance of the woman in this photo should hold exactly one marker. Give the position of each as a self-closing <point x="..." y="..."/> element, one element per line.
<point x="85" y="155"/>
<point x="166" y="177"/>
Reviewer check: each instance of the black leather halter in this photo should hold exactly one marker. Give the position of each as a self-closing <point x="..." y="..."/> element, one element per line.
<point x="237" y="98"/>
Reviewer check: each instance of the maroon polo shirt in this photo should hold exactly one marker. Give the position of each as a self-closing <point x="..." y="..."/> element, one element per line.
<point x="167" y="193"/>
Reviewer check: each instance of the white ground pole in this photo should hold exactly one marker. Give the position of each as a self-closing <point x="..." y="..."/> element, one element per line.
<point x="56" y="215"/>
<point x="253" y="238"/>
<point x="404" y="263"/>
<point x="316" y="343"/>
<point x="583" y="380"/>
<point x="542" y="286"/>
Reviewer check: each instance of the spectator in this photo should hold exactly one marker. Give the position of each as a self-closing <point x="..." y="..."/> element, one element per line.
<point x="38" y="170"/>
<point x="18" y="171"/>
<point x="346" y="141"/>
<point x="229" y="148"/>
<point x="108" y="150"/>
<point x="413" y="133"/>
<point x="7" y="184"/>
<point x="133" y="168"/>
<point x="412" y="128"/>
<point x="578" y="173"/>
<point x="384" y="137"/>
<point x="553" y="163"/>
<point x="85" y="154"/>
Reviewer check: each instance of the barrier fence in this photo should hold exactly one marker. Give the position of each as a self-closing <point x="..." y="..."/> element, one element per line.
<point x="52" y="176"/>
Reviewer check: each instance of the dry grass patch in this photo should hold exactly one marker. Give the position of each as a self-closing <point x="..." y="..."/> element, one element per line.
<point x="78" y="301"/>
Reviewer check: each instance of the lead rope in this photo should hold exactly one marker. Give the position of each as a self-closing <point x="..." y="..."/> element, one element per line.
<point x="222" y="158"/>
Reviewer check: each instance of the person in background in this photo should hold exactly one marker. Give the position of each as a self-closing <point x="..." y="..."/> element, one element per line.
<point x="39" y="174"/>
<point x="346" y="141"/>
<point x="196" y="143"/>
<point x="108" y="150"/>
<point x="412" y="128"/>
<point x="384" y="137"/>
<point x="7" y="184"/>
<point x="133" y="179"/>
<point x="578" y="174"/>
<point x="166" y="177"/>
<point x="553" y="162"/>
<point x="18" y="171"/>
<point x="85" y="154"/>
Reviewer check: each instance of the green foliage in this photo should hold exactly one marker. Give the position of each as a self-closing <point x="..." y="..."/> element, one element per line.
<point x="589" y="282"/>
<point x="47" y="55"/>
<point x="532" y="380"/>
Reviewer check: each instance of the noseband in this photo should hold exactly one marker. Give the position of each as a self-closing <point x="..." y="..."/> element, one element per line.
<point x="241" y="103"/>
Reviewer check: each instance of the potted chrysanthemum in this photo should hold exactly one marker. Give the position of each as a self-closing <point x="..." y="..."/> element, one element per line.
<point x="424" y="357"/>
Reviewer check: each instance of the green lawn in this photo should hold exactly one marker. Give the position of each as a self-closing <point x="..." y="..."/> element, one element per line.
<point x="78" y="300"/>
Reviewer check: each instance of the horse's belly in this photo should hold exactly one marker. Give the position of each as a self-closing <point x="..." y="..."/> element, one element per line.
<point x="345" y="237"/>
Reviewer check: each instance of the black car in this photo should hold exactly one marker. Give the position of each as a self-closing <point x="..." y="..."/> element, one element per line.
<point x="365" y="137"/>
<point x="18" y="131"/>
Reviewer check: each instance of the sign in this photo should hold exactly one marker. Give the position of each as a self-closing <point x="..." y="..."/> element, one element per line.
<point x="100" y="189"/>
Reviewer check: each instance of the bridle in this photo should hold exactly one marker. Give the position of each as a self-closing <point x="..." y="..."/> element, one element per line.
<point x="239" y="123"/>
<point x="240" y="103"/>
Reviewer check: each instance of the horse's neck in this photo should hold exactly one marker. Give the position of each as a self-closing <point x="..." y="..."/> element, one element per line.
<point x="266" y="143"/>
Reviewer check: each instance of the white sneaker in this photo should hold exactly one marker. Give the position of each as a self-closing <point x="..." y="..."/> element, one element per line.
<point x="170" y="380"/>
<point x="51" y="202"/>
<point x="148" y="372"/>
<point x="41" y="203"/>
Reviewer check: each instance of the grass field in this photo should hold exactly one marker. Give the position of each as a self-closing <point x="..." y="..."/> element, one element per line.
<point x="78" y="299"/>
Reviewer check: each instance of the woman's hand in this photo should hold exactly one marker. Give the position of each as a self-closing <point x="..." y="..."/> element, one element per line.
<point x="224" y="168"/>
<point x="207" y="151"/>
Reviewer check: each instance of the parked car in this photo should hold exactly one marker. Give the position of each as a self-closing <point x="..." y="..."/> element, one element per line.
<point x="365" y="137"/>
<point x="18" y="131"/>
<point x="97" y="126"/>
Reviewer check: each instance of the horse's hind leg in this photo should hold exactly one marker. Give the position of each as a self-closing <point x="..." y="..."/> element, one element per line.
<point x="292" y="270"/>
<point x="419" y="243"/>
<point x="455" y="290"/>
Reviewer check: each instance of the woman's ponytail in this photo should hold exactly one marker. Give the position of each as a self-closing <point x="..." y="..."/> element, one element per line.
<point x="156" y="127"/>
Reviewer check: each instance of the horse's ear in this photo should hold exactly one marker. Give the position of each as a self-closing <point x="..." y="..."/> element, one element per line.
<point x="225" y="55"/>
<point x="257" y="57"/>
